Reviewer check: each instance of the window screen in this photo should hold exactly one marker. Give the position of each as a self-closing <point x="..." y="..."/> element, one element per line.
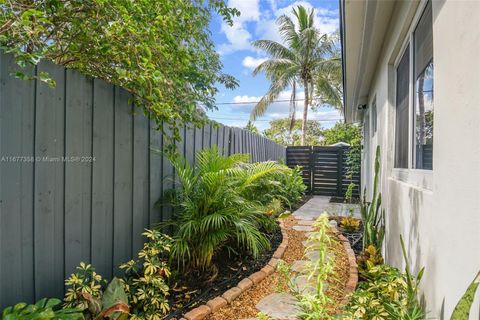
<point x="401" y="118"/>
<point x="423" y="67"/>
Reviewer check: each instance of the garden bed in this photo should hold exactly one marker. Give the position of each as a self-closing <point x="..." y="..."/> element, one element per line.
<point x="197" y="289"/>
<point x="344" y="282"/>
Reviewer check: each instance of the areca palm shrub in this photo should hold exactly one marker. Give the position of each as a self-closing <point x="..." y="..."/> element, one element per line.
<point x="306" y="58"/>
<point x="211" y="212"/>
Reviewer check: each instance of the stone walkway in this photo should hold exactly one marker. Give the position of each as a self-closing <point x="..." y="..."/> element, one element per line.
<point x="282" y="306"/>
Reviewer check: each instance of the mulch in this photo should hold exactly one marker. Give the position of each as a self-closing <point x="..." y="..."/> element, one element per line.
<point x="194" y="289"/>
<point x="244" y="306"/>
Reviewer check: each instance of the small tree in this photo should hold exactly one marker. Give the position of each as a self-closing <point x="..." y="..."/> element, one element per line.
<point x="281" y="132"/>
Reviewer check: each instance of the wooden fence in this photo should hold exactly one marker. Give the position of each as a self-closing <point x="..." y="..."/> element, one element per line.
<point x="324" y="169"/>
<point x="79" y="178"/>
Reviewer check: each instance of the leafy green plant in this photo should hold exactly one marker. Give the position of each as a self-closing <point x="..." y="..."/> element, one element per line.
<point x="462" y="309"/>
<point x="372" y="215"/>
<point x="350" y="224"/>
<point x="146" y="279"/>
<point x="159" y="50"/>
<point x="369" y="258"/>
<point x="315" y="305"/>
<point x="387" y="293"/>
<point x="373" y="300"/>
<point x="285" y="185"/>
<point x="274" y="208"/>
<point x="85" y="294"/>
<point x="213" y="210"/>
<point x="82" y="284"/>
<point x="293" y="187"/>
<point x="44" y="309"/>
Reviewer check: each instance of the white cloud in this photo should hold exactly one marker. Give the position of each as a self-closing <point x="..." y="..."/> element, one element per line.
<point x="242" y="99"/>
<point x="263" y="23"/>
<point x="251" y="62"/>
<point x="281" y="110"/>
<point x="238" y="36"/>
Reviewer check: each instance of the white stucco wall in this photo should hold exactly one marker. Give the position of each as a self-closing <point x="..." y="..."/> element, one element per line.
<point x="437" y="212"/>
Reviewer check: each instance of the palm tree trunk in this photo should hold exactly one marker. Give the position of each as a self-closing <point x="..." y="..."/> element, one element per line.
<point x="305" y="112"/>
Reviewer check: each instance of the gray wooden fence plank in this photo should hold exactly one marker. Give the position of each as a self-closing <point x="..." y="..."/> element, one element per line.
<point x="214" y="135"/>
<point x="78" y="169"/>
<point x="198" y="140"/>
<point x="16" y="179"/>
<point x="122" y="213"/>
<point x="221" y="139"/>
<point x="49" y="179"/>
<point x="190" y="144"/>
<point x="156" y="169"/>
<point x="141" y="187"/>
<point x="167" y="179"/>
<point x="103" y="177"/>
<point x="207" y="136"/>
<point x="227" y="143"/>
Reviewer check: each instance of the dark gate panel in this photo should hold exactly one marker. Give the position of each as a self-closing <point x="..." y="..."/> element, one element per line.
<point x="300" y="156"/>
<point x="326" y="162"/>
<point x="324" y="169"/>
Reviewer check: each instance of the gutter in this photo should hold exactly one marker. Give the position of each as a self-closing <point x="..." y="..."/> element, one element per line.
<point x="342" y="44"/>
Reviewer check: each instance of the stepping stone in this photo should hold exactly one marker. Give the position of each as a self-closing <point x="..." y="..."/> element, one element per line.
<point x="306" y="222"/>
<point x="302" y="228"/>
<point x="309" y="243"/>
<point x="299" y="266"/>
<point x="303" y="284"/>
<point x="313" y="255"/>
<point x="279" y="306"/>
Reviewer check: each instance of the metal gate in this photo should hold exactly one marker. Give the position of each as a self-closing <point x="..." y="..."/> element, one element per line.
<point x="324" y="169"/>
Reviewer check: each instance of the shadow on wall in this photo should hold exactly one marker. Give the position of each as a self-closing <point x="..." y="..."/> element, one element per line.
<point x="403" y="219"/>
<point x="416" y="201"/>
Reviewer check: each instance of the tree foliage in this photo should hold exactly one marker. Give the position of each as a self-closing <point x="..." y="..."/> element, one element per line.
<point x="307" y="59"/>
<point x="280" y="132"/>
<point x="343" y="132"/>
<point x="159" y="50"/>
<point x="252" y="128"/>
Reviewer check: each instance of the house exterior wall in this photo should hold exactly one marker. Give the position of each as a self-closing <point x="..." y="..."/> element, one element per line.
<point x="437" y="211"/>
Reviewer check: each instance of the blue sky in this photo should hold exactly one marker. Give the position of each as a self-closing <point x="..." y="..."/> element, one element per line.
<point x="257" y="21"/>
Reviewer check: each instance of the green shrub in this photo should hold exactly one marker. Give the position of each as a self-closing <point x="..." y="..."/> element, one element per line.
<point x="372" y="215"/>
<point x="45" y="309"/>
<point x="81" y="284"/>
<point x="274" y="208"/>
<point x="213" y="211"/>
<point x="285" y="185"/>
<point x="146" y="279"/>
<point x="387" y="293"/>
<point x="85" y="294"/>
<point x="384" y="296"/>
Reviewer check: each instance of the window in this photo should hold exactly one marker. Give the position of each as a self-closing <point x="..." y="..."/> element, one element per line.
<point x="401" y="117"/>
<point x="415" y="70"/>
<point x="423" y="68"/>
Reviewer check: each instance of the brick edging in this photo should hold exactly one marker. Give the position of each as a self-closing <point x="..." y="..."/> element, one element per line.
<point x="353" y="269"/>
<point x="215" y="304"/>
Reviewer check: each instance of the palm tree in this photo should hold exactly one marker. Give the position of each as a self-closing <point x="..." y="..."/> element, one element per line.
<point x="307" y="59"/>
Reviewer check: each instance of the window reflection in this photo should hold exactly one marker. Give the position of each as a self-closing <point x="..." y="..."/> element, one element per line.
<point x="424" y="119"/>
